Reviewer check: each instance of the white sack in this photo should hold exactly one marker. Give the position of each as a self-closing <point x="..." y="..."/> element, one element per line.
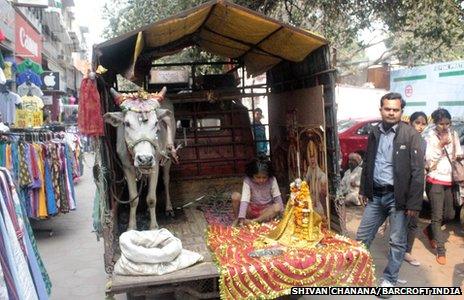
<point x="152" y="252"/>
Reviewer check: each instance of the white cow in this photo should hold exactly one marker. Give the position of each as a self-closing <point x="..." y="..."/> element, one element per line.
<point x="145" y="135"/>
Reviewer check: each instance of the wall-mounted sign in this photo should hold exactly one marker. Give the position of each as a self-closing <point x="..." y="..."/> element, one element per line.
<point x="51" y="81"/>
<point x="28" y="40"/>
<point x="168" y="76"/>
<point x="47" y="100"/>
<point x="34" y="3"/>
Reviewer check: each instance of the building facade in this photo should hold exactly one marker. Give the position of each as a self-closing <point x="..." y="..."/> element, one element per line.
<point x="45" y="31"/>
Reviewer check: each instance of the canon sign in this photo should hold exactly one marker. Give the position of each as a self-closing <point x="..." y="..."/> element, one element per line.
<point x="27" y="42"/>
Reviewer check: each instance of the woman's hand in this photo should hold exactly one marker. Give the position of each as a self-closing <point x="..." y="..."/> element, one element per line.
<point x="459" y="157"/>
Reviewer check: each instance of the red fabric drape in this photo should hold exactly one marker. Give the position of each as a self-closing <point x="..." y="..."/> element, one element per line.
<point x="90" y="119"/>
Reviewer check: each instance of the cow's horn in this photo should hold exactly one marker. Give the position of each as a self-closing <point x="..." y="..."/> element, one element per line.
<point x="115" y="94"/>
<point x="162" y="92"/>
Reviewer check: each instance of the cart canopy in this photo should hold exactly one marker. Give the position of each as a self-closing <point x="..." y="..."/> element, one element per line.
<point x="219" y="27"/>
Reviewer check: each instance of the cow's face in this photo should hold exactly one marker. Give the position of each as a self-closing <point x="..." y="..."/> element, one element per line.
<point x="140" y="134"/>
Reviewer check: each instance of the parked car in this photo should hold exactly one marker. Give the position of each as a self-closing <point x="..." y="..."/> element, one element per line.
<point x="353" y="134"/>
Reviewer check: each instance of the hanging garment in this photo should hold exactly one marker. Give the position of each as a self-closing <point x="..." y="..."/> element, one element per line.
<point x="25" y="179"/>
<point x="42" y="202"/>
<point x="8" y="189"/>
<point x="8" y="276"/>
<point x="2" y="77"/>
<point x="2" y="60"/>
<point x="56" y="181"/>
<point x="29" y="89"/>
<point x="8" y="103"/>
<point x="51" y="202"/>
<point x="37" y="271"/>
<point x="32" y="102"/>
<point x="33" y="251"/>
<point x="28" y="76"/>
<point x="29" y="65"/>
<point x="8" y="70"/>
<point x="24" y="279"/>
<point x="90" y="120"/>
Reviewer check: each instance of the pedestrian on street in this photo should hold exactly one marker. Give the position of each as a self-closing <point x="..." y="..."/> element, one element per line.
<point x="442" y="142"/>
<point x="392" y="182"/>
<point x="418" y="121"/>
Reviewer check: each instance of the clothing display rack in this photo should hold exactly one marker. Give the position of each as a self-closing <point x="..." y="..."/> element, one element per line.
<point x="24" y="274"/>
<point x="43" y="164"/>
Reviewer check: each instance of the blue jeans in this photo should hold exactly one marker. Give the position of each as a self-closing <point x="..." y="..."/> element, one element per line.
<point x="374" y="215"/>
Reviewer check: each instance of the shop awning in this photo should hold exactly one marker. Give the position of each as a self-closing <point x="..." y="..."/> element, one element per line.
<point x="219" y="27"/>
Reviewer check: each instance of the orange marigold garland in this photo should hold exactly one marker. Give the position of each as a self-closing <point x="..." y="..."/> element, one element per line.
<point x="253" y="267"/>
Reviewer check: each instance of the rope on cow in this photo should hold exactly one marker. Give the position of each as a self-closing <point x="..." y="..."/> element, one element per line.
<point x="143" y="183"/>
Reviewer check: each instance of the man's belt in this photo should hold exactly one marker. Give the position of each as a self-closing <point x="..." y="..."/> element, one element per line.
<point x="383" y="189"/>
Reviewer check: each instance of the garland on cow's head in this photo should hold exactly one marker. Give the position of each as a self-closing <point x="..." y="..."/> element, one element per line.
<point x="139" y="106"/>
<point x="140" y="102"/>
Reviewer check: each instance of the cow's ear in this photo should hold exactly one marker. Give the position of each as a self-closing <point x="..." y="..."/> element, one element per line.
<point x="114" y="118"/>
<point x="162" y="113"/>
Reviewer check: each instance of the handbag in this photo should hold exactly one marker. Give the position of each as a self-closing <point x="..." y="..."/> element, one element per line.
<point x="457" y="168"/>
<point x="457" y="175"/>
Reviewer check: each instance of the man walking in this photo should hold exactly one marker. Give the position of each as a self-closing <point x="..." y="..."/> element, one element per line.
<point x="392" y="182"/>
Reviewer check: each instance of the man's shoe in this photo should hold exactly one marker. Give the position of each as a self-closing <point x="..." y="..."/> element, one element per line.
<point x="388" y="284"/>
<point x="401" y="281"/>
<point x="410" y="259"/>
<point x="441" y="259"/>
<point x="432" y="242"/>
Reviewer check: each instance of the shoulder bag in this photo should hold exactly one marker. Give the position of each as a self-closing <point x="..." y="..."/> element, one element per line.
<point x="457" y="175"/>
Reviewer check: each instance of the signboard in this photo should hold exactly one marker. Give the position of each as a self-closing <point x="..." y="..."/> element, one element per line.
<point x="28" y="40"/>
<point x="51" y="81"/>
<point x="168" y="76"/>
<point x="7" y="22"/>
<point x="47" y="100"/>
<point x="32" y="3"/>
<point x="26" y="118"/>
<point x="429" y="87"/>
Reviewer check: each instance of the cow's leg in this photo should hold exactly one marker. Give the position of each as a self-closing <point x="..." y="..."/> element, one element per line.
<point x="166" y="178"/>
<point x="151" y="197"/>
<point x="133" y="195"/>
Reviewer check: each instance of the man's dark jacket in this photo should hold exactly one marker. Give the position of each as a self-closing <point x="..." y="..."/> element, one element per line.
<point x="408" y="167"/>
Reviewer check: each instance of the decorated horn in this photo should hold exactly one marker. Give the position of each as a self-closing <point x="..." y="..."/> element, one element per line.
<point x="117" y="96"/>
<point x="114" y="93"/>
<point x="162" y="92"/>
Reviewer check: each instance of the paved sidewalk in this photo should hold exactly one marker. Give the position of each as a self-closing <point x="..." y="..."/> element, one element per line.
<point x="72" y="255"/>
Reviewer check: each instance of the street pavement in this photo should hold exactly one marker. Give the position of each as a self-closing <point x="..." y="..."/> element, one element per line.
<point x="74" y="258"/>
<point x="72" y="255"/>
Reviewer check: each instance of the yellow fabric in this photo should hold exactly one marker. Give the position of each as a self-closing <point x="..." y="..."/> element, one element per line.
<point x="42" y="207"/>
<point x="32" y="102"/>
<point x="228" y="30"/>
<point x="8" y="162"/>
<point x="170" y="30"/>
<point x="300" y="226"/>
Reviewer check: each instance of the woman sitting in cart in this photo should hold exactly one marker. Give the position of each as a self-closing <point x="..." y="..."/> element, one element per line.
<point x="260" y="200"/>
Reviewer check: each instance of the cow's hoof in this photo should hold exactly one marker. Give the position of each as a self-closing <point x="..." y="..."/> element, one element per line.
<point x="170" y="213"/>
<point x="154" y="227"/>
